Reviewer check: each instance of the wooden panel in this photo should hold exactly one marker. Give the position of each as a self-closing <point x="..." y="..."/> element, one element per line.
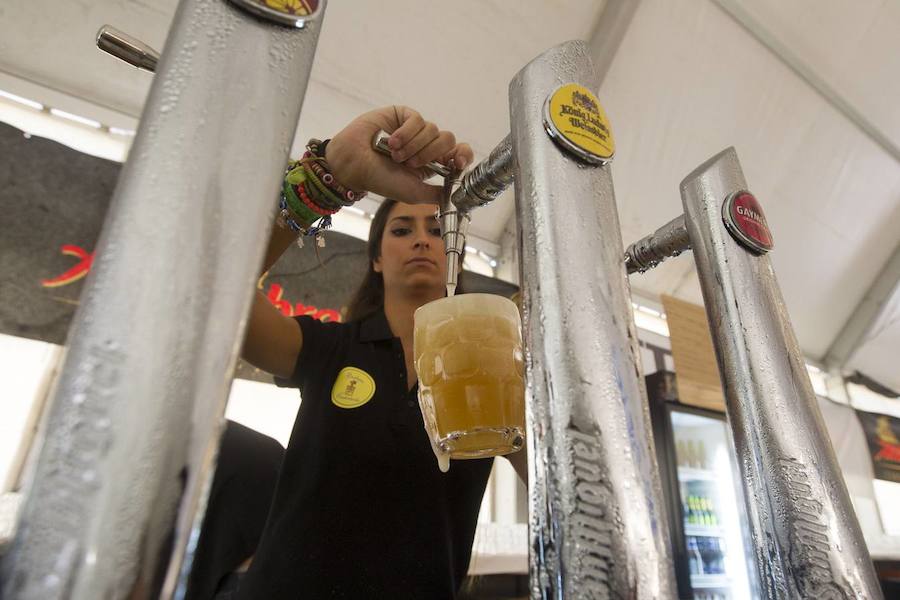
<point x="697" y="374"/>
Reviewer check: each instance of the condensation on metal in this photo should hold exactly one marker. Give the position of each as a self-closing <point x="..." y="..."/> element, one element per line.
<point x="807" y="540"/>
<point x="669" y="240"/>
<point x="487" y="180"/>
<point x="151" y="351"/>
<point x="597" y="524"/>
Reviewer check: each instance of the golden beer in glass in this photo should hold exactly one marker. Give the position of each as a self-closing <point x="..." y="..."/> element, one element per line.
<point x="468" y="353"/>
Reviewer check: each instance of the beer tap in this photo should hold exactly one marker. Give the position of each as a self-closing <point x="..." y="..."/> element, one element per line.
<point x="127" y="48"/>
<point x="481" y="185"/>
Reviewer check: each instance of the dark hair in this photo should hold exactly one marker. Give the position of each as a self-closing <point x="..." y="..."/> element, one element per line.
<point x="369" y="297"/>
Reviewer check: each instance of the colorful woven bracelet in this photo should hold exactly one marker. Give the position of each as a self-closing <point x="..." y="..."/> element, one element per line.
<point x="315" y="194"/>
<point x="323" y="172"/>
<point x="347" y="196"/>
<point x="311" y="204"/>
<point x="290" y="195"/>
<point x="323" y="189"/>
<point x="306" y="215"/>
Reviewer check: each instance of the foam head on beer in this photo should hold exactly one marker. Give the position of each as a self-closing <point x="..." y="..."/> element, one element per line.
<point x="468" y="357"/>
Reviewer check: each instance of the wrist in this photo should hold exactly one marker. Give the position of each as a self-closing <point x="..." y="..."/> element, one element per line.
<point x="339" y="158"/>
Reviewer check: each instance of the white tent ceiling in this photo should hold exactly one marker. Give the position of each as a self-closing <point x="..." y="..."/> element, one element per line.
<point x="818" y="142"/>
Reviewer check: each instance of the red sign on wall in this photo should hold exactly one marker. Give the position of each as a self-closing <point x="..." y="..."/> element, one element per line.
<point x="275" y="293"/>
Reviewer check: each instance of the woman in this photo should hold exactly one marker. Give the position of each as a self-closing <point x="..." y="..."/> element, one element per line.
<point x="361" y="509"/>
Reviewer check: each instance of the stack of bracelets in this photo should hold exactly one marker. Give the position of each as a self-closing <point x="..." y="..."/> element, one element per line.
<point x="310" y="194"/>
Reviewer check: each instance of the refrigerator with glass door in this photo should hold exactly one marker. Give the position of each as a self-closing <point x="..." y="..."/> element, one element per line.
<point x="710" y="533"/>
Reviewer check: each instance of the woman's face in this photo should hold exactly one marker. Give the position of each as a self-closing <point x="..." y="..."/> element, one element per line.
<point x="412" y="251"/>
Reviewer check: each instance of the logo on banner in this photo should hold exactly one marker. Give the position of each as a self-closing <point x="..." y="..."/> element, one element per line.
<point x="274" y="294"/>
<point x="884" y="446"/>
<point x="746" y="222"/>
<point x="574" y="119"/>
<point x="352" y="388"/>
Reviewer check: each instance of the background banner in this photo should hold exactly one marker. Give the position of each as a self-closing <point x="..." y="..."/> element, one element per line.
<point x="883" y="437"/>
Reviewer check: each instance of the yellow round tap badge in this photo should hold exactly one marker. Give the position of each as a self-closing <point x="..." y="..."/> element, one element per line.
<point x="575" y="120"/>
<point x="352" y="388"/>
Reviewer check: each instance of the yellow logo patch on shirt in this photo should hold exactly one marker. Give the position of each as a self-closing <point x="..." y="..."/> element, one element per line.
<point x="352" y="388"/>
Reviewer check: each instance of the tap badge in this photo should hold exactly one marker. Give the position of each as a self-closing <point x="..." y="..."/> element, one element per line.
<point x="292" y="13"/>
<point x="746" y="222"/>
<point x="574" y="119"/>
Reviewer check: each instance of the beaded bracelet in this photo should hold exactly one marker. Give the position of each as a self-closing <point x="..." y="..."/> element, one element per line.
<point x="285" y="219"/>
<point x="297" y="205"/>
<point x="310" y="194"/>
<point x="323" y="190"/>
<point x="315" y="193"/>
<point x="297" y="178"/>
<point x="312" y="204"/>
<point x="305" y="214"/>
<point x="304" y="178"/>
<point x="346" y="197"/>
<point x="317" y="149"/>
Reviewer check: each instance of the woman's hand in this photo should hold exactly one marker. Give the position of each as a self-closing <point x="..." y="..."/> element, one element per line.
<point x="414" y="142"/>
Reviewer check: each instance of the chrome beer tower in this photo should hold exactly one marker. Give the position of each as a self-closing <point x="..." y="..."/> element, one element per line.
<point x="597" y="524"/>
<point x="142" y="390"/>
<point x="138" y="406"/>
<point x="805" y="535"/>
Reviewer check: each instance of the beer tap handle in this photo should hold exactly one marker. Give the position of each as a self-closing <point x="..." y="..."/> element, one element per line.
<point x="380" y="143"/>
<point x="124" y="47"/>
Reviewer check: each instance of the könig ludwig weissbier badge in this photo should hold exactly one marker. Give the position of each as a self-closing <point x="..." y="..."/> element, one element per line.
<point x="576" y="121"/>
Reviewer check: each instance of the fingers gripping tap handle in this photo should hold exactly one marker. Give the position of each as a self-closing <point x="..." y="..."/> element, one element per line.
<point x="380" y="143"/>
<point x="481" y="185"/>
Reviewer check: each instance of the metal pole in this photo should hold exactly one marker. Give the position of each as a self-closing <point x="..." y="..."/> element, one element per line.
<point x="598" y="528"/>
<point x="154" y="343"/>
<point x="807" y="540"/>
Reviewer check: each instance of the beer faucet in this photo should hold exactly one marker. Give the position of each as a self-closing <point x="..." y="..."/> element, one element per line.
<point x="127" y="48"/>
<point x="454" y="222"/>
<point x="481" y="185"/>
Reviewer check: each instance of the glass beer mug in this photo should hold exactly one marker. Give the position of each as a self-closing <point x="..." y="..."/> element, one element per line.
<point x="468" y="353"/>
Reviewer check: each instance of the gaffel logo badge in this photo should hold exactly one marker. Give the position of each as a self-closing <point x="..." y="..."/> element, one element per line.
<point x="745" y="221"/>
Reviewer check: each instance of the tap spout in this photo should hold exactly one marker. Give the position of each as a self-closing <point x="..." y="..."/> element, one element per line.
<point x="454" y="226"/>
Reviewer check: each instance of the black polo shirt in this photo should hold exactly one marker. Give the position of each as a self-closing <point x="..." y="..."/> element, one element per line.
<point x="361" y="509"/>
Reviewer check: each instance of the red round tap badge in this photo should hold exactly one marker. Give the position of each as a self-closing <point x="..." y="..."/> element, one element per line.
<point x="746" y="222"/>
